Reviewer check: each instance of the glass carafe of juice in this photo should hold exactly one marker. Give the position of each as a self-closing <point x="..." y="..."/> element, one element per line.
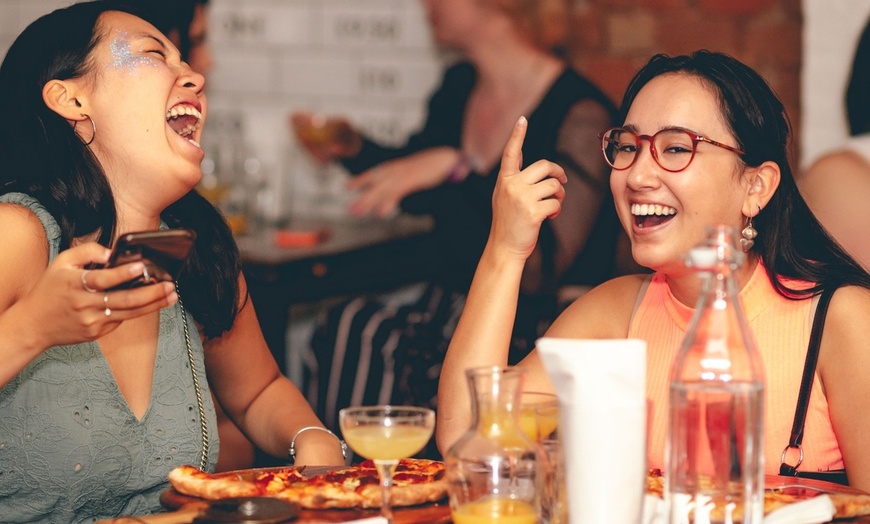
<point x="491" y="469"/>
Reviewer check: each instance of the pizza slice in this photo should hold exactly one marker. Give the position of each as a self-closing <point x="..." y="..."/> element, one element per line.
<point x="190" y="481"/>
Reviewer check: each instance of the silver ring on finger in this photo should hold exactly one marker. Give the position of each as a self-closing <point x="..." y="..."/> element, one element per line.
<point x="85" y="285"/>
<point x="106" y="303"/>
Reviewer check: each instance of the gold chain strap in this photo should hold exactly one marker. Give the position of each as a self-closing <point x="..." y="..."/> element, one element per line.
<point x="203" y="426"/>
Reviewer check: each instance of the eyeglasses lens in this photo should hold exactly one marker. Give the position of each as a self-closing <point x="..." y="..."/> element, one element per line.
<point x="673" y="149"/>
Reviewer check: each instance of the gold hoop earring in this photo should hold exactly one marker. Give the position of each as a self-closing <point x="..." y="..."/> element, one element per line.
<point x="93" y="126"/>
<point x="749" y="233"/>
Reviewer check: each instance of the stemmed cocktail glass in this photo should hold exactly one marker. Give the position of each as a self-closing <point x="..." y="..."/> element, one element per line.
<point x="386" y="434"/>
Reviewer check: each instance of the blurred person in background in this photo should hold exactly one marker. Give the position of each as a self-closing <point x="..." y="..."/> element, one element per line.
<point x="837" y="184"/>
<point x="364" y="352"/>
<point x="185" y="23"/>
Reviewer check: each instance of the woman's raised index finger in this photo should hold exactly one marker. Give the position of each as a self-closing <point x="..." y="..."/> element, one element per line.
<point x="512" y="158"/>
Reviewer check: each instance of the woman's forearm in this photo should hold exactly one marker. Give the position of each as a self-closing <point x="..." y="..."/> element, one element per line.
<point x="277" y="415"/>
<point x="482" y="338"/>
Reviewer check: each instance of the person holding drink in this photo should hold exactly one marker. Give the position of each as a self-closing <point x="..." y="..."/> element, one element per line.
<point x="103" y="391"/>
<point x="448" y="170"/>
<point x="703" y="141"/>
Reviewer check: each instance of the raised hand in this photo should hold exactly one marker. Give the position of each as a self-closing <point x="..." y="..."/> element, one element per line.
<point x="524" y="198"/>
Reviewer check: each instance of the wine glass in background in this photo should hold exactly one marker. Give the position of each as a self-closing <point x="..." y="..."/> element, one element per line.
<point x="386" y="434"/>
<point x="325" y="139"/>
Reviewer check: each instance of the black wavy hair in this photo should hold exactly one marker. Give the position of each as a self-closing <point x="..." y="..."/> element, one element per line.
<point x="42" y="156"/>
<point x="858" y="89"/>
<point x="790" y="241"/>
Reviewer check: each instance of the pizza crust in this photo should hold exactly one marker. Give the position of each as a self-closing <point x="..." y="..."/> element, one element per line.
<point x="188" y="480"/>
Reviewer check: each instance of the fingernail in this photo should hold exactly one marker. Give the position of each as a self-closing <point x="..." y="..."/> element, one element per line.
<point x="137" y="268"/>
<point x="172" y="298"/>
<point x="522" y="121"/>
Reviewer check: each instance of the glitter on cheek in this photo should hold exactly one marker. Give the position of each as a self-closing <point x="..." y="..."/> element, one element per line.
<point x="123" y="56"/>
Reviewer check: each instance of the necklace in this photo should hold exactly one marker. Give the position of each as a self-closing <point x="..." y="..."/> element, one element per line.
<point x="200" y="406"/>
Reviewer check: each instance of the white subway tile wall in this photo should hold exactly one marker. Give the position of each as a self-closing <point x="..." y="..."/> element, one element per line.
<point x="370" y="60"/>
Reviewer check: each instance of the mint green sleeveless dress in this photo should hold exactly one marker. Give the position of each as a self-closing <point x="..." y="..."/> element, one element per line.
<point x="70" y="448"/>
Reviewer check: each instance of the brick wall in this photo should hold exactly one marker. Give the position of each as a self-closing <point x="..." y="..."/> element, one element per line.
<point x="373" y="60"/>
<point x="613" y="38"/>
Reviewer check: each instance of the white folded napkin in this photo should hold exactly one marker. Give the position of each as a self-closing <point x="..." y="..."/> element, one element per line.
<point x="815" y="510"/>
<point x="810" y="511"/>
<point x="601" y="387"/>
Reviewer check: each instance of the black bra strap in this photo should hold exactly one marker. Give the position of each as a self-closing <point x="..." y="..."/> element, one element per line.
<point x="800" y="414"/>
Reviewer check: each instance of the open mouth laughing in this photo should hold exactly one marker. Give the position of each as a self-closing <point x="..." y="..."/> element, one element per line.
<point x="185" y="120"/>
<point x="650" y="215"/>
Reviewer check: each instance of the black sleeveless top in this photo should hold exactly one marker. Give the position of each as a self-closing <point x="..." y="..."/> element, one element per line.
<point x="463" y="212"/>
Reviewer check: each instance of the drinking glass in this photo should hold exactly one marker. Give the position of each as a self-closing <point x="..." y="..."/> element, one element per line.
<point x="325" y="138"/>
<point x="539" y="414"/>
<point x="386" y="434"/>
<point x="539" y="420"/>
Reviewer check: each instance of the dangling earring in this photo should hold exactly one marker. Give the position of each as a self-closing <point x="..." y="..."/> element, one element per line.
<point x="749" y="233"/>
<point x="93" y="126"/>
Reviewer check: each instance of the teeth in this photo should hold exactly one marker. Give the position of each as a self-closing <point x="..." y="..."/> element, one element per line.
<point x="652" y="209"/>
<point x="181" y="110"/>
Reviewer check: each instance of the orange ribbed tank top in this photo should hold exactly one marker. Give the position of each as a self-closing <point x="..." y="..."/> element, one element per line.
<point x="782" y="331"/>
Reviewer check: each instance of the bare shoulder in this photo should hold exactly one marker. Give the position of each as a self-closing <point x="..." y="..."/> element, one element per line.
<point x="848" y="304"/>
<point x="25" y="253"/>
<point x="603" y="312"/>
<point x="21" y="228"/>
<point x="844" y="341"/>
<point x="838" y="165"/>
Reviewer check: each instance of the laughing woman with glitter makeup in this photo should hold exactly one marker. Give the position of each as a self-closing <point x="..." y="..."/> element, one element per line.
<point x="103" y="392"/>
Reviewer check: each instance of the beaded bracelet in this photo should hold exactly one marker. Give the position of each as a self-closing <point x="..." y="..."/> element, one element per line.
<point x="306" y="428"/>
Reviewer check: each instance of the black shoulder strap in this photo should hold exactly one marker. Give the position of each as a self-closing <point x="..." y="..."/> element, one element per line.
<point x="800" y="414"/>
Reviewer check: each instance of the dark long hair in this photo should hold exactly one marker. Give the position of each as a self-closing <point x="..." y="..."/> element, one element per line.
<point x="42" y="156"/>
<point x="858" y="89"/>
<point x="790" y="241"/>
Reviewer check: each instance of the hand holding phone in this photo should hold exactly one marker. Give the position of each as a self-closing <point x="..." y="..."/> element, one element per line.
<point x="163" y="253"/>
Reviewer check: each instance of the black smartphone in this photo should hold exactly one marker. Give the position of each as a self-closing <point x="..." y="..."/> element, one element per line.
<point x="163" y="252"/>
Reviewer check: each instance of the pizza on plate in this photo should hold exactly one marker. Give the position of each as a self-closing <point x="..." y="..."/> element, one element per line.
<point x="847" y="502"/>
<point x="416" y="481"/>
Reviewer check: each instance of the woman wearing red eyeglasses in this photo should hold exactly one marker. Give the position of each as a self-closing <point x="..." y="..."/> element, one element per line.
<point x="703" y="141"/>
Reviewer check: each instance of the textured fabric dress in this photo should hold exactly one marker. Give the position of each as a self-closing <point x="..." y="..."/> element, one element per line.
<point x="363" y="352"/>
<point x="782" y="331"/>
<point x="71" y="450"/>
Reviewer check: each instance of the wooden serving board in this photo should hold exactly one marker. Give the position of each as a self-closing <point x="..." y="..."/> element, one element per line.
<point x="438" y="513"/>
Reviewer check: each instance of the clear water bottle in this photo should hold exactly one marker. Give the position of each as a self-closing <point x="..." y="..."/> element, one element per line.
<point x="714" y="456"/>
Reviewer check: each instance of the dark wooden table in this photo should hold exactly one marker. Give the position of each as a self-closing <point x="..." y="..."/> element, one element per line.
<point x="182" y="509"/>
<point x="354" y="256"/>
